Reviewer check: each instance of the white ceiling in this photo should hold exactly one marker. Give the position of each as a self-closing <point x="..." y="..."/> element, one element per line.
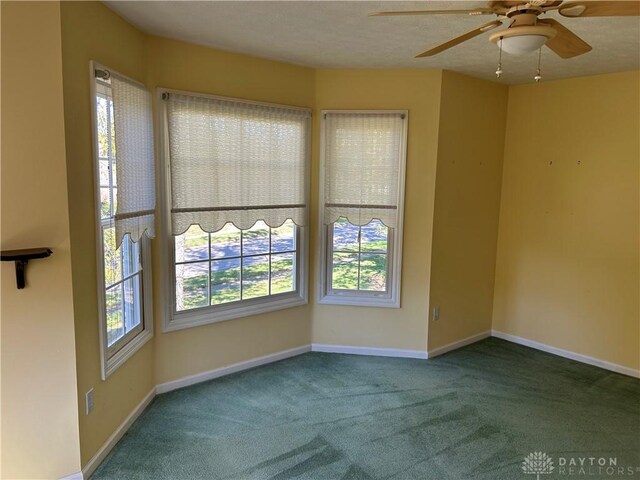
<point x="341" y="35"/>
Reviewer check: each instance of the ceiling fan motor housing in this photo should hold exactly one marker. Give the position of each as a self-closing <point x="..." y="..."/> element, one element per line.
<point x="524" y="11"/>
<point x="524" y="33"/>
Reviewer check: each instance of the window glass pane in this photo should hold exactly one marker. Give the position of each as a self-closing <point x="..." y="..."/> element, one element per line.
<point x="104" y="173"/>
<point x="225" y="242"/>
<point x="101" y="121"/>
<point x="112" y="129"/>
<point x="114" y="200"/>
<point x="235" y="273"/>
<point x="192" y="245"/>
<point x="105" y="202"/>
<point x="115" y="325"/>
<point x="130" y="256"/>
<point x="345" y="236"/>
<point x="255" y="276"/>
<point x="191" y="285"/>
<point x="373" y="237"/>
<point x="282" y="273"/>
<point x="345" y="271"/>
<point x="283" y="237"/>
<point x="132" y="302"/>
<point x="373" y="272"/>
<point x="225" y="281"/>
<point x="256" y="239"/>
<point x="112" y="263"/>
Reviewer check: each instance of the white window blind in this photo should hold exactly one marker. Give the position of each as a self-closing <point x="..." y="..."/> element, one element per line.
<point x="136" y="196"/>
<point x="236" y="162"/>
<point x="361" y="175"/>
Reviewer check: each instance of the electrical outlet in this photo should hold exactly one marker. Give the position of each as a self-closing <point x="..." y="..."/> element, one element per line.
<point x="88" y="404"/>
<point x="436" y="312"/>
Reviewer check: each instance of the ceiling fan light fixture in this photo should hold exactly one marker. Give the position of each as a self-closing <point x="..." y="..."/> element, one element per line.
<point x="522" y="40"/>
<point x="522" y="44"/>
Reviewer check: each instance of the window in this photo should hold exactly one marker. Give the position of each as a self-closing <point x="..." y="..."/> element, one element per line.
<point x="362" y="189"/>
<point x="123" y="141"/>
<point x="237" y="173"/>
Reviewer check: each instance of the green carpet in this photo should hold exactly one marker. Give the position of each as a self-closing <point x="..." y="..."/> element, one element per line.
<point x="475" y="413"/>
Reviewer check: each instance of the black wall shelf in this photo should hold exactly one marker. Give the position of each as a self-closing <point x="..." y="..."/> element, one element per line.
<point x="22" y="257"/>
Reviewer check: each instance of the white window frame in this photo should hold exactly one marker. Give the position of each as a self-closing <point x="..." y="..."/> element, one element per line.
<point x="178" y="320"/>
<point x="362" y="298"/>
<point x="111" y="358"/>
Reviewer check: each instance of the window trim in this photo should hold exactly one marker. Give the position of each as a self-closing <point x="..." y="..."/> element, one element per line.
<point x="111" y="359"/>
<point x="328" y="296"/>
<point x="174" y="320"/>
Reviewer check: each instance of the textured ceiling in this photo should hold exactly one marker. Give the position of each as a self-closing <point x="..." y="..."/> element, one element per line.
<point x="341" y="35"/>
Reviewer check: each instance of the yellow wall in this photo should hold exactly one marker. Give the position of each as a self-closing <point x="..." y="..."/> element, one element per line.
<point x="568" y="264"/>
<point x="467" y="204"/>
<point x="39" y="407"/>
<point x="189" y="67"/>
<point x="419" y="92"/>
<point x="92" y="32"/>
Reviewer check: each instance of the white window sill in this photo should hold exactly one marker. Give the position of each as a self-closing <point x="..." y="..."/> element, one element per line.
<point x="359" y="300"/>
<point x="136" y="343"/>
<point x="221" y="313"/>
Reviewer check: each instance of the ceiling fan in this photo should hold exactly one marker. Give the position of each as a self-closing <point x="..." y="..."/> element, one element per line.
<point x="526" y="32"/>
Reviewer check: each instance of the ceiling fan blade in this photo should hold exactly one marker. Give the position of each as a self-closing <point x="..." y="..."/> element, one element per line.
<point x="625" y="8"/>
<point x="477" y="11"/>
<point x="462" y="38"/>
<point x="566" y="43"/>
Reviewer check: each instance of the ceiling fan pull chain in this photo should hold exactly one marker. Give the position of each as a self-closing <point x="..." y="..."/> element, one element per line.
<point x="538" y="77"/>
<point x="499" y="70"/>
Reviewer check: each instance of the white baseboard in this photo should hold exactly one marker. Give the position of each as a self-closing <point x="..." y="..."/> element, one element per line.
<point x="459" y="344"/>
<point x="236" y="367"/>
<point x="377" y="352"/>
<point x="578" y="357"/>
<point x="101" y="454"/>
<point x="73" y="476"/>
